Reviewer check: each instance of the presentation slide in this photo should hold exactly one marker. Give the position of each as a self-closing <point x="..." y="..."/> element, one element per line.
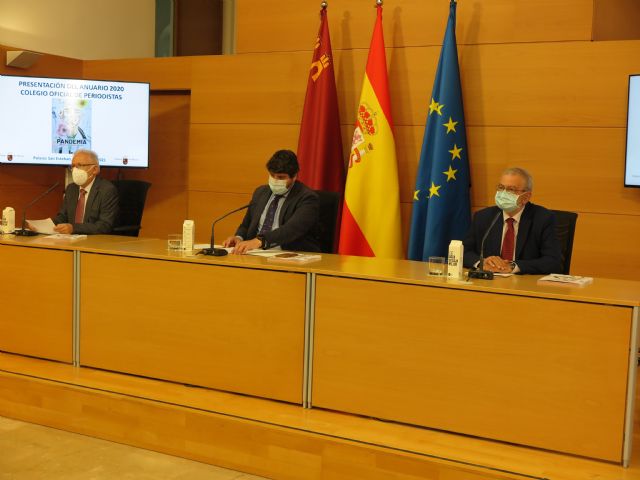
<point x="632" y="168"/>
<point x="45" y="120"/>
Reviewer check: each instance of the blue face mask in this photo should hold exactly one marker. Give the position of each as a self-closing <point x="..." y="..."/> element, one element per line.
<point x="507" y="201"/>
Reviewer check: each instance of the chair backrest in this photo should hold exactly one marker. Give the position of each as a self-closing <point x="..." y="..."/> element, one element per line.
<point x="329" y="207"/>
<point x="132" y="195"/>
<point x="565" y="231"/>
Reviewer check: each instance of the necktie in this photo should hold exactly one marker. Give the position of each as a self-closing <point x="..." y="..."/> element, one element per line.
<point x="508" y="242"/>
<point x="271" y="215"/>
<point x="80" y="206"/>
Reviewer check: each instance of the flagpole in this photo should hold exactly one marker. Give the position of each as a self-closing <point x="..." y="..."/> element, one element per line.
<point x="324" y="5"/>
<point x="379" y="3"/>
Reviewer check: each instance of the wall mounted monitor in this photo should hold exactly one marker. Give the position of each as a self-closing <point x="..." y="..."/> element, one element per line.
<point x="45" y="120"/>
<point x="632" y="162"/>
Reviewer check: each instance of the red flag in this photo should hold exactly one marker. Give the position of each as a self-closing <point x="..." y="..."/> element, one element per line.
<point x="320" y="142"/>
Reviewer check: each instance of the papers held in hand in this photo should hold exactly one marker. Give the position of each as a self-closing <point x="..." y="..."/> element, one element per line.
<point x="293" y="257"/>
<point x="558" y="279"/>
<point x="42" y="226"/>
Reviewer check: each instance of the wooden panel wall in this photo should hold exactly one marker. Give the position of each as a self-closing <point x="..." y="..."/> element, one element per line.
<point x="277" y="26"/>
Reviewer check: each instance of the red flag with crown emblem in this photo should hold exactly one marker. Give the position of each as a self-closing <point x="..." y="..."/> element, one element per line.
<point x="320" y="141"/>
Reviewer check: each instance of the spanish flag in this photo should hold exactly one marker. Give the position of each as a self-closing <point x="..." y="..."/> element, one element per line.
<point x="371" y="211"/>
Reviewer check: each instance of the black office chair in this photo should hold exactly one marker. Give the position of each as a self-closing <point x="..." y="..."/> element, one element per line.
<point x="132" y="195"/>
<point x="329" y="207"/>
<point x="565" y="231"/>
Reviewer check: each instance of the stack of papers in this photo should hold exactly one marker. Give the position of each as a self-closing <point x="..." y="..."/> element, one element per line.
<point x="566" y="279"/>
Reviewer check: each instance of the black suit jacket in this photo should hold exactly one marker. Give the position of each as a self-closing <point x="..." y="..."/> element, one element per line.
<point x="537" y="248"/>
<point x="100" y="208"/>
<point x="298" y="220"/>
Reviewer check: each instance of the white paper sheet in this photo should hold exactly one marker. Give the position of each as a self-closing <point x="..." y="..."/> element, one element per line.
<point x="43" y="226"/>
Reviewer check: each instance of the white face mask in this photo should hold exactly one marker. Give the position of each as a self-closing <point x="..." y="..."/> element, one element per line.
<point x="507" y="201"/>
<point x="278" y="187"/>
<point x="79" y="176"/>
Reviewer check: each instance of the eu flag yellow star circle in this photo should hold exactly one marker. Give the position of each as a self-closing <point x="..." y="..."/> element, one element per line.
<point x="451" y="173"/>
<point x="435" y="107"/>
<point x="455" y="152"/>
<point x="451" y="125"/>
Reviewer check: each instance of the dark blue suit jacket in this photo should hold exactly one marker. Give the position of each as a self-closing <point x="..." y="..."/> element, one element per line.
<point x="537" y="248"/>
<point x="298" y="220"/>
<point x="100" y="210"/>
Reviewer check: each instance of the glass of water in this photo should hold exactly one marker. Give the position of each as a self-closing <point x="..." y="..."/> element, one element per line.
<point x="437" y="266"/>
<point x="174" y="241"/>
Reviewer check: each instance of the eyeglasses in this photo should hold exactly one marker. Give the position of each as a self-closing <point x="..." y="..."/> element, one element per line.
<point x="70" y="167"/>
<point x="501" y="188"/>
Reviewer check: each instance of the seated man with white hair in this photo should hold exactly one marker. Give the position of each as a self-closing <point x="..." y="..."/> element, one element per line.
<point x="524" y="241"/>
<point x="90" y="204"/>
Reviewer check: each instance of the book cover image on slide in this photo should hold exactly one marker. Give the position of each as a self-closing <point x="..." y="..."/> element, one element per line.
<point x="71" y="125"/>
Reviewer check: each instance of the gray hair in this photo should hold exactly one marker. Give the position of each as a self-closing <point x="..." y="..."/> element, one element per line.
<point x="528" y="179"/>
<point x="89" y="153"/>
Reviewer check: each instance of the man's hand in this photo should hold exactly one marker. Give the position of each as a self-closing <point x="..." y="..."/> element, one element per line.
<point x="245" y="246"/>
<point x="65" y="228"/>
<point x="231" y="241"/>
<point x="497" y="265"/>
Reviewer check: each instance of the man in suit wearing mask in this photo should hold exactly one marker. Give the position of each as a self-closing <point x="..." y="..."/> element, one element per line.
<point x="524" y="241"/>
<point x="90" y="204"/>
<point x="283" y="214"/>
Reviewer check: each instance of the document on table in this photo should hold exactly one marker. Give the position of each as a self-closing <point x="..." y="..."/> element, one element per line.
<point x="271" y="252"/>
<point x="558" y="278"/>
<point x="258" y="252"/>
<point x="43" y="226"/>
<point x="65" y="237"/>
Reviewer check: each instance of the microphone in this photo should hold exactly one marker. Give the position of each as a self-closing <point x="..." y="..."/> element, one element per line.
<point x="220" y="252"/>
<point x="481" y="272"/>
<point x="23" y="232"/>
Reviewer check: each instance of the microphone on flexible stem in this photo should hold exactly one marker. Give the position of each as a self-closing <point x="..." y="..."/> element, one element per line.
<point x="23" y="232"/>
<point x="220" y="252"/>
<point x="480" y="272"/>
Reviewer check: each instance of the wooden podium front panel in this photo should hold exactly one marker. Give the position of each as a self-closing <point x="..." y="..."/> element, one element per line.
<point x="235" y="329"/>
<point x="36" y="317"/>
<point x="533" y="371"/>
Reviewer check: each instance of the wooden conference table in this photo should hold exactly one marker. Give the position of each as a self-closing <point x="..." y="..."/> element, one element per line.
<point x="539" y="365"/>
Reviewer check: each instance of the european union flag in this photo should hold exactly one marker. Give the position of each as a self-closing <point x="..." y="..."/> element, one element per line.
<point x="441" y="206"/>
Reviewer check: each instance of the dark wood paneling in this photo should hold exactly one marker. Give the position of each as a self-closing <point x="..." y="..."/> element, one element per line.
<point x="198" y="27"/>
<point x="616" y="20"/>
